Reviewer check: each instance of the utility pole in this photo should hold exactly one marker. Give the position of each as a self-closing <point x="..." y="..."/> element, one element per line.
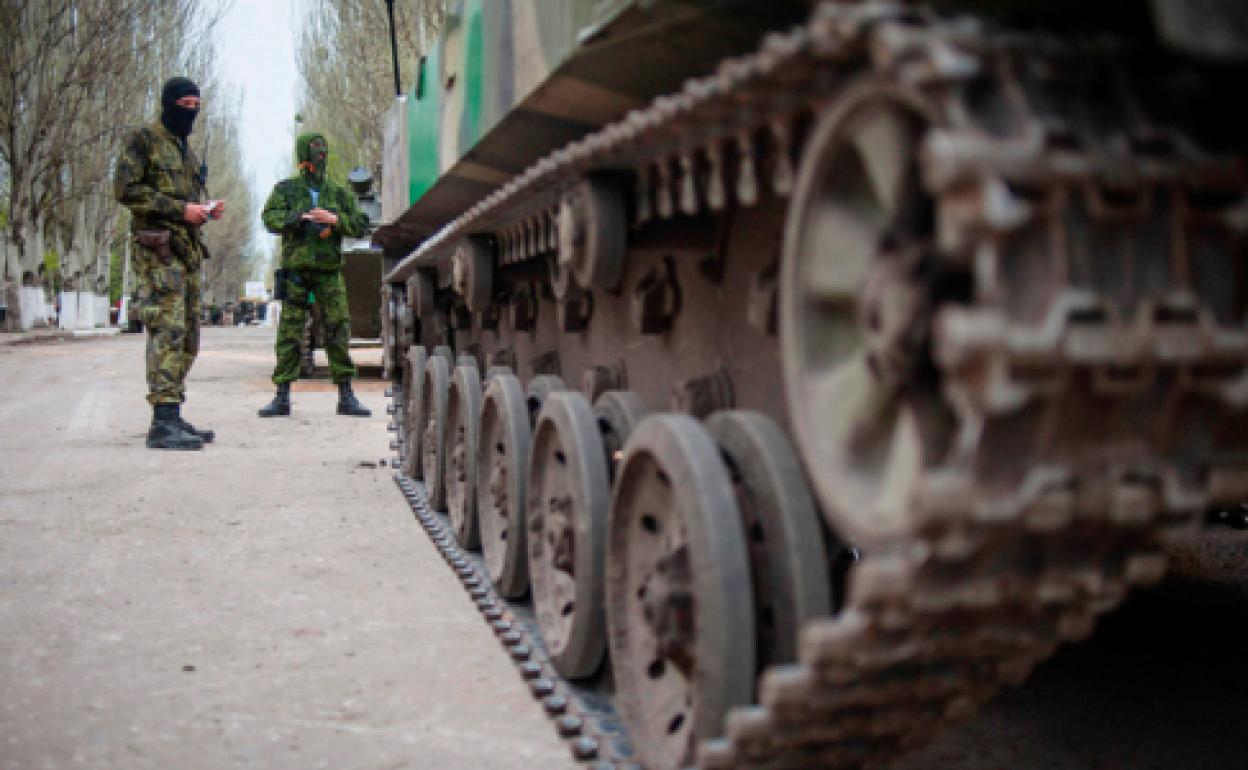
<point x="394" y="49"/>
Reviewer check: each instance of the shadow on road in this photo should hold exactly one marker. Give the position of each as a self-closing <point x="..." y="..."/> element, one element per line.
<point x="1161" y="685"/>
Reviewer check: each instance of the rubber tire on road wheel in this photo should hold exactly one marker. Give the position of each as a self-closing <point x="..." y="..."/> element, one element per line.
<point x="413" y="386"/>
<point x="433" y="431"/>
<point x="503" y="460"/>
<point x="539" y="388"/>
<point x="567" y="467"/>
<point x="673" y="497"/>
<point x="463" y="414"/>
<point x="788" y="555"/>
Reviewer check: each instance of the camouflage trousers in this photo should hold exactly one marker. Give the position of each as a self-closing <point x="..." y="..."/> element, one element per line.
<point x="326" y="289"/>
<point x="170" y="309"/>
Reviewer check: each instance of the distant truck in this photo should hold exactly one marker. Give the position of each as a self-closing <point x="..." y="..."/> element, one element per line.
<point x="132" y="323"/>
<point x="250" y="310"/>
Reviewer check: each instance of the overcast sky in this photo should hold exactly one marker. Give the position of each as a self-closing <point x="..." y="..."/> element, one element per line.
<point x="256" y="39"/>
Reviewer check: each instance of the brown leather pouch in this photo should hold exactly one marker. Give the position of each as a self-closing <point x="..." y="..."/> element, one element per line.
<point x="158" y="241"/>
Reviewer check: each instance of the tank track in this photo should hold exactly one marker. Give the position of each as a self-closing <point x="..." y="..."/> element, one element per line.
<point x="586" y="719"/>
<point x="998" y="566"/>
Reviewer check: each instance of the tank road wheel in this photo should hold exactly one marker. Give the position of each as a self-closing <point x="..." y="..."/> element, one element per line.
<point x="405" y="322"/>
<point x="433" y="431"/>
<point x="446" y="354"/>
<point x="569" y="496"/>
<point x="618" y="412"/>
<point x="463" y="414"/>
<point x="679" y="604"/>
<point x="413" y="385"/>
<point x="472" y="272"/>
<point x="502" y="467"/>
<point x="494" y="370"/>
<point x="592" y="230"/>
<point x="420" y="290"/>
<point x="783" y="532"/>
<point x="852" y="316"/>
<point x="466" y="359"/>
<point x="539" y="388"/>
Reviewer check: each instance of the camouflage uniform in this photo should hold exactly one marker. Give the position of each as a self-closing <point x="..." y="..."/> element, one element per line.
<point x="157" y="174"/>
<point x="314" y="266"/>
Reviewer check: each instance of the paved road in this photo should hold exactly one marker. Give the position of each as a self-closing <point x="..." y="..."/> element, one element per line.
<point x="267" y="603"/>
<point x="270" y="603"/>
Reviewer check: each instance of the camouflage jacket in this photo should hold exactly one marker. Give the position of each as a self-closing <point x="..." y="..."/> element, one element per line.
<point x="303" y="248"/>
<point x="155" y="179"/>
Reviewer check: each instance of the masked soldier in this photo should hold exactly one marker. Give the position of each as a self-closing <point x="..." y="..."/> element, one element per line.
<point x="312" y="214"/>
<point x="158" y="179"/>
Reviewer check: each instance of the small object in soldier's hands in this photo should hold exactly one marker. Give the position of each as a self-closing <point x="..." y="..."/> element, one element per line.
<point x="211" y="209"/>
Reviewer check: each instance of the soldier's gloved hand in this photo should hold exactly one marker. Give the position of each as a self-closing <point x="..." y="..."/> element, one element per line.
<point x="195" y="214"/>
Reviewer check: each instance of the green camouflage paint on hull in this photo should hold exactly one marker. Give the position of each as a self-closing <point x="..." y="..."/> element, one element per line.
<point x="508" y="81"/>
<point x="422" y="121"/>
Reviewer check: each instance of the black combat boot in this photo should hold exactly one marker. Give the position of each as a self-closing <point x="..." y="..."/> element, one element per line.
<point x="280" y="405"/>
<point x="166" y="433"/>
<point x="206" y="436"/>
<point x="348" y="404"/>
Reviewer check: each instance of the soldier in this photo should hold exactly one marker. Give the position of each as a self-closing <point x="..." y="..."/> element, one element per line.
<point x="158" y="179"/>
<point x="312" y="214"/>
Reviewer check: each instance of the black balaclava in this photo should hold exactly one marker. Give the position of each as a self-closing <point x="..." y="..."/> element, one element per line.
<point x="176" y="118"/>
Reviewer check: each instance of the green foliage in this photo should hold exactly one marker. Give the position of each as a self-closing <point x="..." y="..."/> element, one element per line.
<point x="52" y="269"/>
<point x="116" y="272"/>
<point x="338" y="168"/>
<point x="51" y="262"/>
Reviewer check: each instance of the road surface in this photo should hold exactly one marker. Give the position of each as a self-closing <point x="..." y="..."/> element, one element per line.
<point x="268" y="602"/>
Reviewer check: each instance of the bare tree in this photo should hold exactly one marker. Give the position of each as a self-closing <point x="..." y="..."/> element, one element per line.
<point x="343" y="53"/>
<point x="216" y="141"/>
<point x="74" y="76"/>
<point x="229" y="240"/>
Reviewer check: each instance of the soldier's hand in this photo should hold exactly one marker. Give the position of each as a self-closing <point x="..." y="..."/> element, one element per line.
<point x="321" y="216"/>
<point x="195" y="214"/>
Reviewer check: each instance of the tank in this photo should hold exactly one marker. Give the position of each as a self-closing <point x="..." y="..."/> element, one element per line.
<point x="782" y="383"/>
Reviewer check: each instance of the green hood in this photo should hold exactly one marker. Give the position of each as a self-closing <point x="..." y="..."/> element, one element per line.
<point x="303" y="154"/>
